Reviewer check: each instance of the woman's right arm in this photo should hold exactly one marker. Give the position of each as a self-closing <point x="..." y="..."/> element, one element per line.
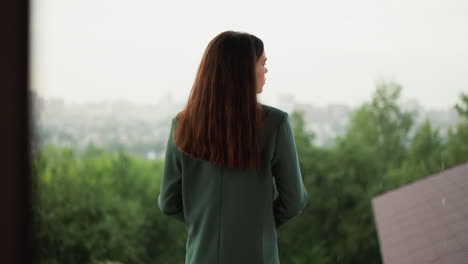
<point x="292" y="194"/>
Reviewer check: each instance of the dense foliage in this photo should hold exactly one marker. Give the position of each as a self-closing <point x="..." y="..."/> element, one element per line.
<point x="100" y="207"/>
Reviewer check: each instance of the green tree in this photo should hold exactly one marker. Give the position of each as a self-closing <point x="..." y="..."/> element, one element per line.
<point x="98" y="207"/>
<point x="462" y="107"/>
<point x="302" y="241"/>
<point x="425" y="151"/>
<point x="375" y="141"/>
<point x="457" y="147"/>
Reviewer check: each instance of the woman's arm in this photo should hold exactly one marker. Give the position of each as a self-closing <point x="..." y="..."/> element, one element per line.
<point x="292" y="194"/>
<point x="170" y="196"/>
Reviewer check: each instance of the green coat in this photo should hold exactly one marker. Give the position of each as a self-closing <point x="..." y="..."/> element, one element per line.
<point x="231" y="215"/>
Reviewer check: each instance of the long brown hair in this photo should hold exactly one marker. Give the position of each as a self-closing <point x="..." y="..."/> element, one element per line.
<point x="221" y="120"/>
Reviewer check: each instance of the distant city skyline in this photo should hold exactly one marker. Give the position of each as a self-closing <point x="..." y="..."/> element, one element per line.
<point x="322" y="53"/>
<point x="120" y="123"/>
<point x="287" y="102"/>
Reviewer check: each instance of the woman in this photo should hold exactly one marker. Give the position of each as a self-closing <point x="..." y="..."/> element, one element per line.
<point x="225" y="153"/>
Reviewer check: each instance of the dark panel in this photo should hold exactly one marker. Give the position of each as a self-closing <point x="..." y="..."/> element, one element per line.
<point x="426" y="221"/>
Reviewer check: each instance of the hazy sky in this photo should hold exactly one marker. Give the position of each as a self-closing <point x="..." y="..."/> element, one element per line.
<point x="319" y="51"/>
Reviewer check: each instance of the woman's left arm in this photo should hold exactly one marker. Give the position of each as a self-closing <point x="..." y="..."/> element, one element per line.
<point x="170" y="195"/>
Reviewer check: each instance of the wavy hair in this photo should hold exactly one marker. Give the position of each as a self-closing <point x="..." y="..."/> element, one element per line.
<point x="222" y="118"/>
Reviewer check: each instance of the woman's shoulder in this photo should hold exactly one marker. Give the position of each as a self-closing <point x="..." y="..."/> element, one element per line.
<point x="274" y="112"/>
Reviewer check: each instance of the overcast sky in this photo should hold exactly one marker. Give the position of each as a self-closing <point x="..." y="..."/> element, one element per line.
<point x="321" y="52"/>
